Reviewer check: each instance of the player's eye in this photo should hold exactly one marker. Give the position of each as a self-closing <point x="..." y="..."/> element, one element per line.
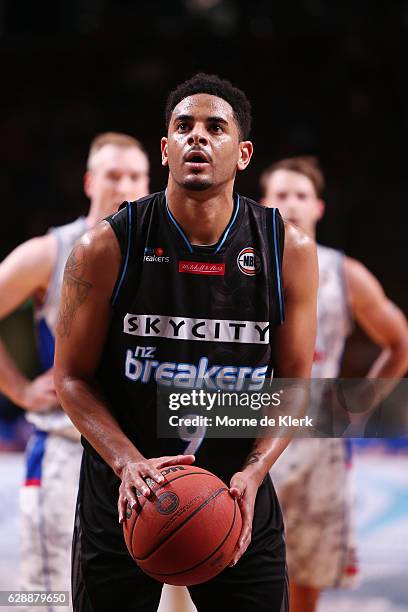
<point x="301" y="196"/>
<point x="216" y="128"/>
<point x="182" y="127"/>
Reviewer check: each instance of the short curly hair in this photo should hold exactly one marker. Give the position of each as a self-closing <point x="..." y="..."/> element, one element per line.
<point x="215" y="86"/>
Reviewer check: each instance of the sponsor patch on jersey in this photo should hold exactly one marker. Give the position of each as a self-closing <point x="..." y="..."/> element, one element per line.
<point x="249" y="261"/>
<point x="199" y="267"/>
<point x="204" y="330"/>
<point x="155" y="255"/>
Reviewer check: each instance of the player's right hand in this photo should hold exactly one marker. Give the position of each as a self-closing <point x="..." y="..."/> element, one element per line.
<point x="135" y="473"/>
<point x="39" y="395"/>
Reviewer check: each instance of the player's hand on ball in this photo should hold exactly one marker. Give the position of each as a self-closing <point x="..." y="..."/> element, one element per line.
<point x="135" y="474"/>
<point x="244" y="490"/>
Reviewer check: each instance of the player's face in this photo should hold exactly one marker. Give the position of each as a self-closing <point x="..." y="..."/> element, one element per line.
<point x="203" y="147"/>
<point x="117" y="174"/>
<point x="295" y="196"/>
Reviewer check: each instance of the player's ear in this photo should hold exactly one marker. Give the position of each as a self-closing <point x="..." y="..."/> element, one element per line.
<point x="246" y="148"/>
<point x="163" y="146"/>
<point x="321" y="209"/>
<point x="88" y="184"/>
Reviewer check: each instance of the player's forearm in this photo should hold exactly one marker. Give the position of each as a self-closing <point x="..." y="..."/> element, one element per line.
<point x="392" y="362"/>
<point x="263" y="455"/>
<point x="12" y="380"/>
<point x="387" y="369"/>
<point x="89" y="413"/>
<point x="294" y="402"/>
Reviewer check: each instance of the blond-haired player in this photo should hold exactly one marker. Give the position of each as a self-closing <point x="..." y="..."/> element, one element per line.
<point x="117" y="170"/>
<point x="312" y="476"/>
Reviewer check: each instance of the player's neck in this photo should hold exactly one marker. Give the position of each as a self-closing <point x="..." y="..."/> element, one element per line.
<point x="203" y="215"/>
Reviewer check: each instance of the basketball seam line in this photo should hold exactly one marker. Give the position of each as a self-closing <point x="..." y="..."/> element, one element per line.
<point x="180" y="525"/>
<point x="189" y="569"/>
<point x="159" y="489"/>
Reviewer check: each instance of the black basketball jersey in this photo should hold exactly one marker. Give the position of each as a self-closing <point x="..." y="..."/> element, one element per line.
<point x="186" y="315"/>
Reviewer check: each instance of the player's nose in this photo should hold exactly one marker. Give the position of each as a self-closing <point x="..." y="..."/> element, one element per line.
<point x="124" y="184"/>
<point x="197" y="135"/>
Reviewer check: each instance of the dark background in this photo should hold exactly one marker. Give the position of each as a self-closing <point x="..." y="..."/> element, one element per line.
<point x="324" y="78"/>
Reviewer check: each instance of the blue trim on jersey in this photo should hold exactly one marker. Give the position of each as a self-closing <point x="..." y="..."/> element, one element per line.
<point x="125" y="265"/>
<point x="45" y="344"/>
<point x="35" y="455"/>
<point x="277" y="265"/>
<point x="231" y="223"/>
<point x="186" y="240"/>
<point x="182" y="234"/>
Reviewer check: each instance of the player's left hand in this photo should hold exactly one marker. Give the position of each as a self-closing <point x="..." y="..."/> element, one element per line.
<point x="244" y="489"/>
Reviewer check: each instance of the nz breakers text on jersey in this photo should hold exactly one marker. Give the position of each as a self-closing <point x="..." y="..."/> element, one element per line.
<point x="190" y="316"/>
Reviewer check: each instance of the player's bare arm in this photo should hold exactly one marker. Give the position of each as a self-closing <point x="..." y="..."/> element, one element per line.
<point x="386" y="326"/>
<point x="26" y="273"/>
<point x="294" y="348"/>
<point x="380" y="318"/>
<point x="89" y="279"/>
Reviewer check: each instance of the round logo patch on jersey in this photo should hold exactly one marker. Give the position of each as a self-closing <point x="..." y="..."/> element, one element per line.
<point x="167" y="503"/>
<point x="249" y="261"/>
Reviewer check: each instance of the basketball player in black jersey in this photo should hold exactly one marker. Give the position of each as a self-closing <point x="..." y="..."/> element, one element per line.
<point x="162" y="292"/>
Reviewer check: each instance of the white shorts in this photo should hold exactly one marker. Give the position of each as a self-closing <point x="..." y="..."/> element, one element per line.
<point x="313" y="483"/>
<point x="47" y="501"/>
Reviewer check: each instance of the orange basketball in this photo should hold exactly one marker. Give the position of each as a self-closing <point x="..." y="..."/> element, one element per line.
<point x="186" y="532"/>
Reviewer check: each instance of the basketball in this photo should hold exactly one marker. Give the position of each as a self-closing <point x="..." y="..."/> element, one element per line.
<point x="187" y="531"/>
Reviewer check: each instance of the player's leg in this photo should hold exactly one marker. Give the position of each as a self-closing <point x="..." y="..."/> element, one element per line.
<point x="258" y="583"/>
<point x="47" y="505"/>
<point x="303" y="598"/>
<point x="312" y="481"/>
<point x="62" y="463"/>
<point x="104" y="576"/>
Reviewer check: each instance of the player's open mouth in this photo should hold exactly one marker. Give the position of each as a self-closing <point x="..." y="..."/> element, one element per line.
<point x="196" y="159"/>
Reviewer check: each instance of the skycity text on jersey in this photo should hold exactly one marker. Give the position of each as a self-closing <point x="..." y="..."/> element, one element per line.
<point x="204" y="330"/>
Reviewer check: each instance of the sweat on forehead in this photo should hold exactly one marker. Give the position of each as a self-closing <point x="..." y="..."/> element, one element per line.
<point x="204" y="105"/>
<point x="223" y="90"/>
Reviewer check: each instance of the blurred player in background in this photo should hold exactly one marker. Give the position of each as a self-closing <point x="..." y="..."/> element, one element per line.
<point x="312" y="476"/>
<point x="117" y="170"/>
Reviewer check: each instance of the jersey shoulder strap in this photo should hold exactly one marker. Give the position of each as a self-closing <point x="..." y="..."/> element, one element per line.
<point x="128" y="225"/>
<point x="275" y="229"/>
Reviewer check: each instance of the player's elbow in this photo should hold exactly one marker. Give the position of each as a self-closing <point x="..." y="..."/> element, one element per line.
<point x="398" y="354"/>
<point x="64" y="383"/>
<point x="402" y="354"/>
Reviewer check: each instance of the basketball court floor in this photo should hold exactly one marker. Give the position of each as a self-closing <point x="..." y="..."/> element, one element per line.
<point x="382" y="520"/>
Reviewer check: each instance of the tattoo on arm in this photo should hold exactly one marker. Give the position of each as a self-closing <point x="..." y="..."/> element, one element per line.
<point x="74" y="290"/>
<point x="253" y="457"/>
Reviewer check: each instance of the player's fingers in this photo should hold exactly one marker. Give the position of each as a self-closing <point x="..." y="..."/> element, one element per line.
<point x="175" y="460"/>
<point x="235" y="492"/>
<point x="136" y="482"/>
<point x="154" y="474"/>
<point x="122" y="503"/>
<point x="243" y="543"/>
<point x="237" y="487"/>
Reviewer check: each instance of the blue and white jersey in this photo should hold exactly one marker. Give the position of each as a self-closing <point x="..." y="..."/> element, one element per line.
<point x="334" y="319"/>
<point x="45" y="317"/>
